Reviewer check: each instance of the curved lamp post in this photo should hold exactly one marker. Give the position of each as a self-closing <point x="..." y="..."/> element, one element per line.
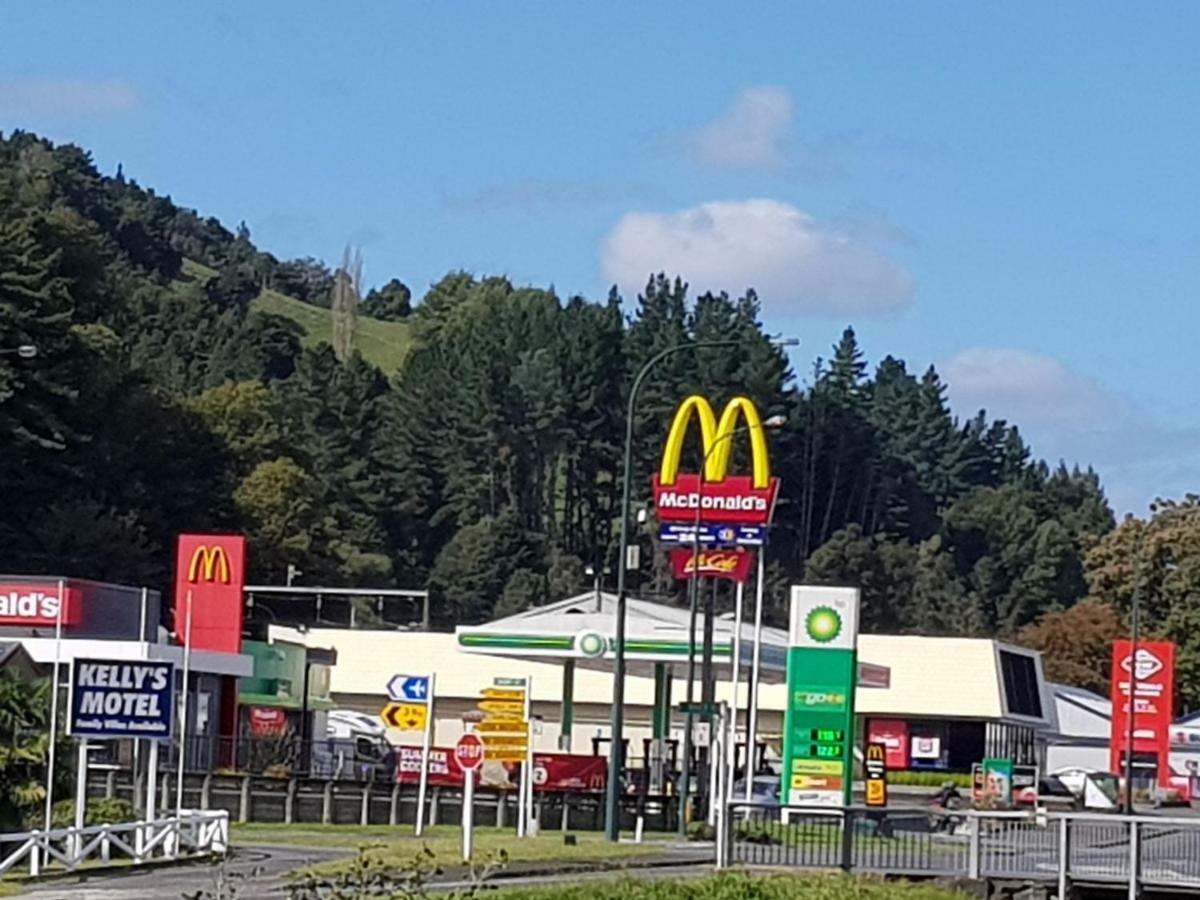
<point x="612" y="800"/>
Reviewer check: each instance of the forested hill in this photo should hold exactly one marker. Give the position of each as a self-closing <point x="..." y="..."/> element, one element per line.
<point x="170" y="395"/>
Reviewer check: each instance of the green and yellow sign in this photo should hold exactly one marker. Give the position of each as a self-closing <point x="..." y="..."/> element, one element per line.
<point x="818" y="742"/>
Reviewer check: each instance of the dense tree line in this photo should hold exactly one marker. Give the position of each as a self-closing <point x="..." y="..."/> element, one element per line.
<point x="488" y="466"/>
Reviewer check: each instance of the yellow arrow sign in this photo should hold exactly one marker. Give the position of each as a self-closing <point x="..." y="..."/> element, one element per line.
<point x="504" y="740"/>
<point x="508" y="707"/>
<point x="405" y="716"/>
<point x="503" y="726"/>
<point x="503" y="694"/>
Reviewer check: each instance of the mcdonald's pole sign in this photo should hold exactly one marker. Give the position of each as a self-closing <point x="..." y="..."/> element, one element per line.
<point x="211" y="567"/>
<point x="724" y="498"/>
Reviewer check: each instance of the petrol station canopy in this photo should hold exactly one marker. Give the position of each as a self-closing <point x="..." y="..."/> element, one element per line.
<point x="582" y="629"/>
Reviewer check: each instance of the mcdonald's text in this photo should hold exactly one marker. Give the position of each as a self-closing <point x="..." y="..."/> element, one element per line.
<point x="733" y="501"/>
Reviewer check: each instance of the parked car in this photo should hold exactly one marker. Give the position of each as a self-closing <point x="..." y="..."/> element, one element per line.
<point x="764" y="790"/>
<point x="355" y="746"/>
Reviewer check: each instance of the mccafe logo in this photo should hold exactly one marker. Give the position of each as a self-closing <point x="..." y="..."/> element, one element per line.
<point x="33" y="605"/>
<point x="714" y="562"/>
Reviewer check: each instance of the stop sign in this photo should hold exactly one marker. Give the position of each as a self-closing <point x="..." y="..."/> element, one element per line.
<point x="468" y="752"/>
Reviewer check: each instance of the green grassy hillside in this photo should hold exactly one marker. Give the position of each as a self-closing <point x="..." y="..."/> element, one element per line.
<point x="383" y="343"/>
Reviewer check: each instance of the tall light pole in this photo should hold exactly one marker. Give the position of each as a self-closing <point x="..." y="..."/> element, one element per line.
<point x="693" y="609"/>
<point x="1134" y="634"/>
<point x="612" y="800"/>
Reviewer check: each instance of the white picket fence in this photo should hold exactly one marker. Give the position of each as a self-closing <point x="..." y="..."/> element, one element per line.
<point x="199" y="833"/>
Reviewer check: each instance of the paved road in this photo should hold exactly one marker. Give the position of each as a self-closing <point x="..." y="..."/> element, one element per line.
<point x="272" y="863"/>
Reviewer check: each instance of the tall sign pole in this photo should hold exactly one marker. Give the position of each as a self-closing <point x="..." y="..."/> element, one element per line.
<point x="426" y="744"/>
<point x="58" y="620"/>
<point x="818" y="737"/>
<point x="756" y="661"/>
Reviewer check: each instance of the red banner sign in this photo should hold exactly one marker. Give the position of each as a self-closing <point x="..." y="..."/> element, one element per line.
<point x="733" y="564"/>
<point x="37" y="604"/>
<point x="893" y="735"/>
<point x="1152" y="674"/>
<point x="552" y="772"/>
<point x="211" y="570"/>
<point x="732" y="501"/>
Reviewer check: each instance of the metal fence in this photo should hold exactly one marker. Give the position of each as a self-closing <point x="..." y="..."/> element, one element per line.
<point x="193" y="834"/>
<point x="1059" y="848"/>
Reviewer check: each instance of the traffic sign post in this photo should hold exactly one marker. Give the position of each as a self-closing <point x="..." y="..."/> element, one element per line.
<point x="876" y="772"/>
<point x="411" y="709"/>
<point x="468" y="753"/>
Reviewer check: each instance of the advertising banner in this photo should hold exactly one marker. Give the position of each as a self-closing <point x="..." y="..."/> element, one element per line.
<point x="121" y="699"/>
<point x="212" y="568"/>
<point x="37" y="604"/>
<point x="998" y="780"/>
<point x="875" y="768"/>
<point x="818" y="741"/>
<point x="893" y="735"/>
<point x="552" y="772"/>
<point x="731" y="565"/>
<point x="1153" y="702"/>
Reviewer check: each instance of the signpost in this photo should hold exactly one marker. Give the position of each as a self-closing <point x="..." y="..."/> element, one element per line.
<point x="411" y="709"/>
<point x="505" y="729"/>
<point x="876" y="769"/>
<point x="112" y="699"/>
<point x="818" y="740"/>
<point x="469" y="754"/>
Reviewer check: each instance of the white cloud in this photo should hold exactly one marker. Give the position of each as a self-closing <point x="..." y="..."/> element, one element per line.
<point x="793" y="263"/>
<point x="1027" y="387"/>
<point x="1067" y="416"/>
<point x="751" y="134"/>
<point x="66" y="97"/>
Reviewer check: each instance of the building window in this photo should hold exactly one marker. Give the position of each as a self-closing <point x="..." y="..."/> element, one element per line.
<point x="1021" y="687"/>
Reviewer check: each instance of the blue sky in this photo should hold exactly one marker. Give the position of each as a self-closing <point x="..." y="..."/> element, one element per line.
<point x="1008" y="191"/>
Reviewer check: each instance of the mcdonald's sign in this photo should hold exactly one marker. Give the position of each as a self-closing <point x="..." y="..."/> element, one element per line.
<point x="210" y="569"/>
<point x="716" y="496"/>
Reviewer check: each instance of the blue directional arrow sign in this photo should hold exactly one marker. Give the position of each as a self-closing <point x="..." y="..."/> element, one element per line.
<point x="409" y="688"/>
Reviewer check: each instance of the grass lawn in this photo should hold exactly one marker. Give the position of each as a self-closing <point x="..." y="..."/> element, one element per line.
<point x="383" y="343"/>
<point x="445" y="841"/>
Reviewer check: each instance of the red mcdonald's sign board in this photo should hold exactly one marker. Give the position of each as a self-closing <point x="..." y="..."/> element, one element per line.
<point x="1153" y="674"/>
<point x="733" y="564"/>
<point x="211" y="570"/>
<point x="717" y="497"/>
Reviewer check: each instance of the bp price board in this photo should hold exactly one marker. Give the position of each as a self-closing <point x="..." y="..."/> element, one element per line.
<point x="818" y="745"/>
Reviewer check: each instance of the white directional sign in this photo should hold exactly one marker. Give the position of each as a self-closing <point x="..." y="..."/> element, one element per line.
<point x="409" y="688"/>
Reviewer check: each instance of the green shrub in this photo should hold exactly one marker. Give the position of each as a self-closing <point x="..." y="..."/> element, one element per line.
<point x="701" y="831"/>
<point x="929" y="779"/>
<point x="99" y="811"/>
<point x="737" y="886"/>
<point x="757" y="832"/>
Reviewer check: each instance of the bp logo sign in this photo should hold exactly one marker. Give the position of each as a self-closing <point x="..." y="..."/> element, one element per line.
<point x="590" y="644"/>
<point x="823" y="624"/>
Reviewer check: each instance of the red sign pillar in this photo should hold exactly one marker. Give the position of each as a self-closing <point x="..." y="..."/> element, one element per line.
<point x="1152" y="676"/>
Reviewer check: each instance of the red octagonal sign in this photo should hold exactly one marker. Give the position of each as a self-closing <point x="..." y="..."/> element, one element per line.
<point x="468" y="752"/>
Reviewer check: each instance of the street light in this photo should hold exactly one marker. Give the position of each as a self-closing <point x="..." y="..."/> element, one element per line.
<point x="706" y="675"/>
<point x="1134" y="627"/>
<point x="25" y="351"/>
<point x="612" y="830"/>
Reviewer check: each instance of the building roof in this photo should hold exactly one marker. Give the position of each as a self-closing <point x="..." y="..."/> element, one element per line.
<point x="930" y="677"/>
